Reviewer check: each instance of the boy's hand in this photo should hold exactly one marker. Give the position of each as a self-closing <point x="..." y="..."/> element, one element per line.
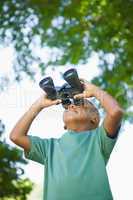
<point x="89" y="90"/>
<point x="44" y="102"/>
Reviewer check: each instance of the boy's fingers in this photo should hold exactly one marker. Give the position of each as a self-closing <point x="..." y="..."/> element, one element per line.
<point x="58" y="101"/>
<point x="81" y="80"/>
<point x="79" y="96"/>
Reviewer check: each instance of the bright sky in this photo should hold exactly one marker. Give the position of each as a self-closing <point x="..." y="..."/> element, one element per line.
<point x="17" y="99"/>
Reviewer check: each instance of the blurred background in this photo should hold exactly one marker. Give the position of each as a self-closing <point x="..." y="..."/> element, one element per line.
<point x="45" y="38"/>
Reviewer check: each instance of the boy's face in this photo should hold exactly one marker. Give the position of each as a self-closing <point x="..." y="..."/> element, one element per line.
<point x="81" y="115"/>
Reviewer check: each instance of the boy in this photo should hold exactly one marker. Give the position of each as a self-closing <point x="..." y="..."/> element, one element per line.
<point x="75" y="164"/>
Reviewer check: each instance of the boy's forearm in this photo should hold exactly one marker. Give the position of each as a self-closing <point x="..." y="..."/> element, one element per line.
<point x="22" y="126"/>
<point x="110" y="105"/>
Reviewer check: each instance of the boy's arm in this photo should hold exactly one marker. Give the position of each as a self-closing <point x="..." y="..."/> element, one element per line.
<point x="113" y="110"/>
<point x="19" y="133"/>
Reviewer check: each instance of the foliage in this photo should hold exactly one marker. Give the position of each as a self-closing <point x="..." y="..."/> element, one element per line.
<point x="73" y="29"/>
<point x="12" y="186"/>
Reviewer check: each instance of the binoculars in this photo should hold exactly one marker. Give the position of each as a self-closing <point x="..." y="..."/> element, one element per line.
<point x="67" y="91"/>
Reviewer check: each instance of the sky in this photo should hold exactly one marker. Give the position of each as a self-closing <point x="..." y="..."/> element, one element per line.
<point x="16" y="100"/>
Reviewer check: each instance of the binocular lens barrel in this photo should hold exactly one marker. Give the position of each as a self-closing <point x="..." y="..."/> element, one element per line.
<point x="72" y="78"/>
<point x="48" y="86"/>
<point x="66" y="91"/>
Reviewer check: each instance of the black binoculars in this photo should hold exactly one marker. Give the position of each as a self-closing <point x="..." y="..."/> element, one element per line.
<point x="67" y="91"/>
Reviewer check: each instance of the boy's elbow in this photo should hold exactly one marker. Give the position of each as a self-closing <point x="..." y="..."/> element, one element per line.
<point x="13" y="137"/>
<point x="118" y="112"/>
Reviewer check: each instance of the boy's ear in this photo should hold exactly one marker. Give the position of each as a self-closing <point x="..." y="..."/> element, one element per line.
<point x="95" y="121"/>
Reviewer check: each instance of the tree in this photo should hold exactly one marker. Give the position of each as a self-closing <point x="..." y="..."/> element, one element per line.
<point x="73" y="29"/>
<point x="11" y="183"/>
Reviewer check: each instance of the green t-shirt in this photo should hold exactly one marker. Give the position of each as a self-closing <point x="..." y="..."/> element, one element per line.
<point x="75" y="164"/>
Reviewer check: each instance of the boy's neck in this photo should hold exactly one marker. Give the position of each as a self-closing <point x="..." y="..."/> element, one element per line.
<point x="79" y="129"/>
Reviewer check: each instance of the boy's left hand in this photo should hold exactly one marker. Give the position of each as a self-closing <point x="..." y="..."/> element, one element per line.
<point x="89" y="90"/>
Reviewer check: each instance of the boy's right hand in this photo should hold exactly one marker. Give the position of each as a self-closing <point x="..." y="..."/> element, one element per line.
<point x="44" y="102"/>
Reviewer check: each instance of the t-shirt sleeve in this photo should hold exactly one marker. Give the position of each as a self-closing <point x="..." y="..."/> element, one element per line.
<point x="38" y="149"/>
<point x="106" y="143"/>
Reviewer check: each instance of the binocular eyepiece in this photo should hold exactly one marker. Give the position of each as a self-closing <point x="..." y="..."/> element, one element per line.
<point x="65" y="92"/>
